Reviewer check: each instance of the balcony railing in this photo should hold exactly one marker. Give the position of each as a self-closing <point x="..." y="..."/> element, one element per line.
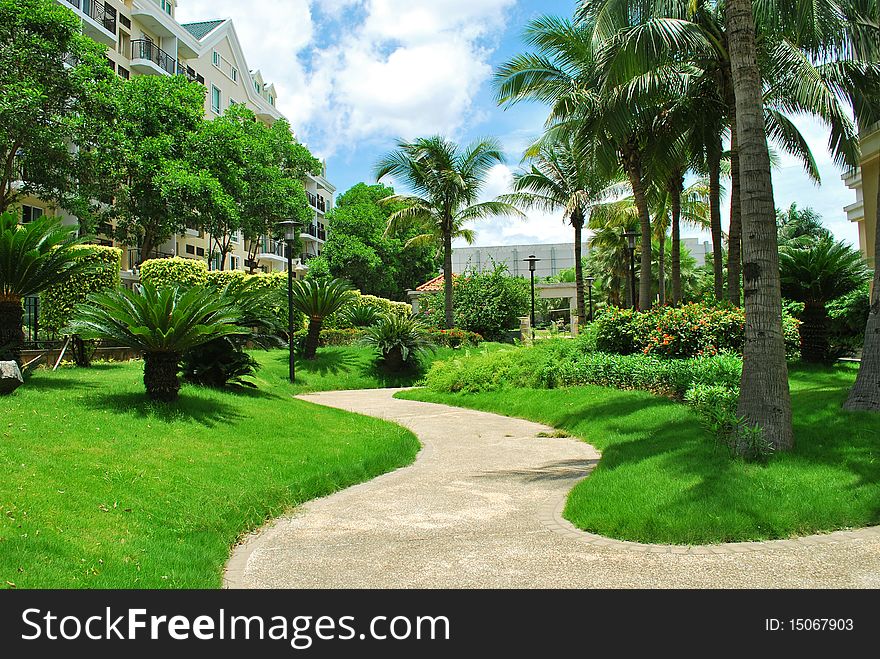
<point x="148" y="50"/>
<point x="322" y="233"/>
<point x="97" y="11"/>
<point x="134" y="256"/>
<point x="322" y="206"/>
<point x="276" y="247"/>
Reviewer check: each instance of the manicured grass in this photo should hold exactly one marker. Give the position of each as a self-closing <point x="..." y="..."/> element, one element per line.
<point x="102" y="489"/>
<point x="662" y="479"/>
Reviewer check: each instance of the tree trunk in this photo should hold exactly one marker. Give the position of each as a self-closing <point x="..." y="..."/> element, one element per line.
<point x="577" y="221"/>
<point x="11" y="334"/>
<point x="394" y="360"/>
<point x="634" y="171"/>
<point x="447" y="278"/>
<point x="814" y="333"/>
<point x="661" y="270"/>
<point x="676" y="185"/>
<point x="147" y="245"/>
<point x="714" y="157"/>
<point x="764" y="400"/>
<point x="313" y="337"/>
<point x="865" y="394"/>
<point x="734" y="235"/>
<point x="160" y="375"/>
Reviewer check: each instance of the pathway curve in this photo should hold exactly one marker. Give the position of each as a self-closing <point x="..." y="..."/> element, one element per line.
<point x="481" y="508"/>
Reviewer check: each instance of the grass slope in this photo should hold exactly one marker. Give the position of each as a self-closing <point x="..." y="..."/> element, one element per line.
<point x="661" y="478"/>
<point x="102" y="489"/>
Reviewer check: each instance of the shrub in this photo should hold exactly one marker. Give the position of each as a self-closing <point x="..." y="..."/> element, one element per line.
<point x="490" y="371"/>
<point x="488" y="303"/>
<point x="387" y="306"/>
<point x="176" y="271"/>
<point x="329" y="337"/>
<point x="399" y="340"/>
<point x="455" y="338"/>
<point x="58" y="302"/>
<point x="359" y="314"/>
<point x="848" y="317"/>
<point x="692" y="330"/>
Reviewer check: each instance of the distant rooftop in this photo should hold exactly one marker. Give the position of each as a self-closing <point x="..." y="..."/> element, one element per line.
<point x="202" y="29"/>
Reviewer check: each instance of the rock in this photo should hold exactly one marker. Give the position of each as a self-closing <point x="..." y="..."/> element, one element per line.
<point x="10" y="377"/>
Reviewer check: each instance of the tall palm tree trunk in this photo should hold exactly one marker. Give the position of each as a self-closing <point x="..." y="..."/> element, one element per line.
<point x="633" y="161"/>
<point x="11" y="334"/>
<point x="734" y="234"/>
<point x="676" y="185"/>
<point x="447" y="277"/>
<point x="577" y="221"/>
<point x="714" y="158"/>
<point x="764" y="400"/>
<point x="661" y="269"/>
<point x="814" y="333"/>
<point x="865" y="394"/>
<point x="313" y="338"/>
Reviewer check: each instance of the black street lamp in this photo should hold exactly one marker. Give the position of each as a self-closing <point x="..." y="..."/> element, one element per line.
<point x="589" y="282"/>
<point x="291" y="230"/>
<point x="631" y="245"/>
<point x="532" y="260"/>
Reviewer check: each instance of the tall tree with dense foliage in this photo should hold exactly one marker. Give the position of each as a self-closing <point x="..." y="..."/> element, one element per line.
<point x="445" y="183"/>
<point x="360" y="250"/>
<point x="33" y="257"/>
<point x="56" y="91"/>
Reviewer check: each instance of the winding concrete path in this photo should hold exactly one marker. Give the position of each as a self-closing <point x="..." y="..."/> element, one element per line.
<point x="480" y="508"/>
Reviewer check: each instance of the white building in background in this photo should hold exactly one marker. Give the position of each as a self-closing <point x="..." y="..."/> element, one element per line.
<point x="555" y="257"/>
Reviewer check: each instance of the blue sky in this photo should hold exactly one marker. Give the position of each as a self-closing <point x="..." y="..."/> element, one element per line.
<point x="353" y="75"/>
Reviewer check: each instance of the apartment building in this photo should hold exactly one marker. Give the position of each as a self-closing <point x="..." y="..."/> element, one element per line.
<point x="864" y="180"/>
<point x="143" y="37"/>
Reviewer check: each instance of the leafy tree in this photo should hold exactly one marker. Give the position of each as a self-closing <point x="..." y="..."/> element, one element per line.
<point x="360" y="250"/>
<point x="162" y="323"/>
<point x="319" y="300"/>
<point x="799" y="228"/>
<point x="33" y="257"/>
<point x="445" y="182"/>
<point x="57" y="92"/>
<point x="816" y="274"/>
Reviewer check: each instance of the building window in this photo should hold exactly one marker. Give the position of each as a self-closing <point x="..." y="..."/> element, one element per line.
<point x="200" y="251"/>
<point x="256" y="86"/>
<point x="191" y="249"/>
<point x="234" y="74"/>
<point x="271" y="100"/>
<point x="30" y="213"/>
<point x="125" y="21"/>
<point x="233" y="262"/>
<point x="215" y="99"/>
<point x="123" y="73"/>
<point x="166" y="7"/>
<point x="216" y="59"/>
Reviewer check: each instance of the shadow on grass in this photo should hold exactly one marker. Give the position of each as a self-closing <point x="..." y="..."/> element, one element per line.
<point x="327" y="363"/>
<point x="205" y="411"/>
<point x="387" y="378"/>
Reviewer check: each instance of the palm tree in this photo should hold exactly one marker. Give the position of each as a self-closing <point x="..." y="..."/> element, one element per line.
<point x="563" y="177"/>
<point x="799" y="228"/>
<point x="815" y="275"/>
<point x="400" y="340"/>
<point x="33" y="257"/>
<point x="319" y="300"/>
<point x="163" y="323"/>
<point x="609" y="253"/>
<point x="445" y="182"/>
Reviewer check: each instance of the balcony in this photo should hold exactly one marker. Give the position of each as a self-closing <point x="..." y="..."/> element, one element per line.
<point x="148" y="59"/>
<point x="272" y="250"/>
<point x="313" y="232"/>
<point x="135" y="258"/>
<point x="99" y="20"/>
<point x="317" y="202"/>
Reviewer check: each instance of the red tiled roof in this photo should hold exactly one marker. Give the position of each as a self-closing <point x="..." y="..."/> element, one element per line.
<point x="435" y="284"/>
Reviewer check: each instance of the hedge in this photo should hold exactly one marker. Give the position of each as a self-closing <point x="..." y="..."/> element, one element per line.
<point x="329" y="337"/>
<point x="455" y="338"/>
<point x="58" y="302"/>
<point x="382" y="305"/>
<point x="174" y="272"/>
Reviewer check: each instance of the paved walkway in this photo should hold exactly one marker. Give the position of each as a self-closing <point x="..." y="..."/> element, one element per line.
<point x="480" y="509"/>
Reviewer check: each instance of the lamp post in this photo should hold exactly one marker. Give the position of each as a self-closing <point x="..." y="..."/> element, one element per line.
<point x="532" y="260"/>
<point x="631" y="245"/>
<point x="589" y="282"/>
<point x="290" y="228"/>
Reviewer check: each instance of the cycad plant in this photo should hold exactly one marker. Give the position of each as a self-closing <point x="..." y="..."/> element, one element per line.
<point x="162" y="323"/>
<point x="33" y="257"/>
<point x="816" y="275"/>
<point x="360" y="315"/>
<point x="319" y="300"/>
<point x="400" y="340"/>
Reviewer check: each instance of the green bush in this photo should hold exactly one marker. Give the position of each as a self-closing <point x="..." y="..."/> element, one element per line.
<point x="380" y="305"/>
<point x="399" y="340"/>
<point x="692" y="330"/>
<point x="455" y="338"/>
<point x="174" y="272"/>
<point x="58" y="302"/>
<point x="488" y="303"/>
<point x="848" y="317"/>
<point x="329" y="337"/>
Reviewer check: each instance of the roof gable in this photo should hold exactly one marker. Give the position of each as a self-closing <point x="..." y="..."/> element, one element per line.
<point x="203" y="28"/>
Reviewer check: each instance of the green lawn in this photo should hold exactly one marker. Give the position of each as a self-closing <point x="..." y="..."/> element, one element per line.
<point x="661" y="478"/>
<point x="101" y="489"/>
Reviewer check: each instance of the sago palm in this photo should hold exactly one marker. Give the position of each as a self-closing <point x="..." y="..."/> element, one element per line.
<point x="563" y="177"/>
<point x="161" y="323"/>
<point x="319" y="300"/>
<point x="815" y="275"/>
<point x="445" y="182"/>
<point x="33" y="257"/>
<point x="400" y="340"/>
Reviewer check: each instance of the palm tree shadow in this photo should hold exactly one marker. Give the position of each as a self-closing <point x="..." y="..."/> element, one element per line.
<point x="205" y="411"/>
<point x="327" y="363"/>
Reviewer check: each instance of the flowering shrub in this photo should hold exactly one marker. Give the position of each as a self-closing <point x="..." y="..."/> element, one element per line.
<point x="692" y="330"/>
<point x="455" y="338"/>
